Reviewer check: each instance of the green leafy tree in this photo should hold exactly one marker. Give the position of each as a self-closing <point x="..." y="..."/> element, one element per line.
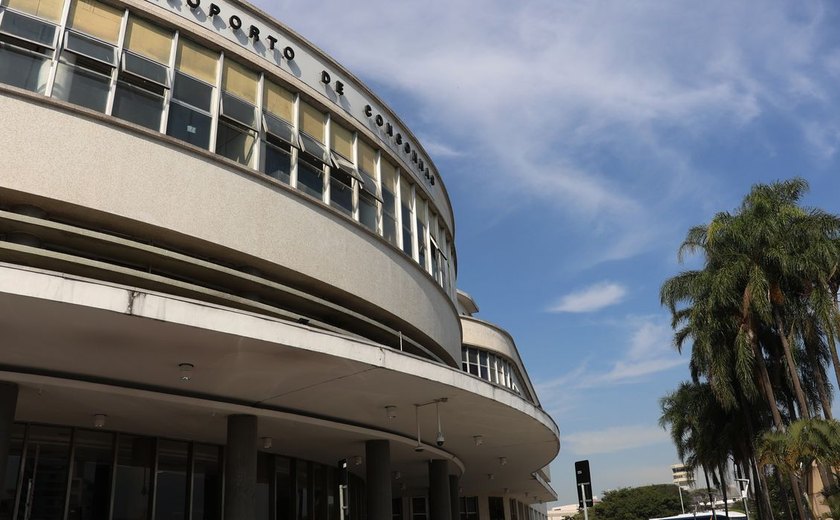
<point x="643" y="502"/>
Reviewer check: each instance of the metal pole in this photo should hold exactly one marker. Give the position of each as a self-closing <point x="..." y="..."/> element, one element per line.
<point x="583" y="494"/>
<point x="682" y="506"/>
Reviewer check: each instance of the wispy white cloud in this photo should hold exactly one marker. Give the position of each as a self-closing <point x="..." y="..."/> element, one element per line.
<point x="613" y="439"/>
<point x="593" y="298"/>
<point x="541" y="89"/>
<point x="647" y="353"/>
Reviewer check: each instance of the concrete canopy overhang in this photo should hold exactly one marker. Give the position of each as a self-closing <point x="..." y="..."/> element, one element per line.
<point x="80" y="347"/>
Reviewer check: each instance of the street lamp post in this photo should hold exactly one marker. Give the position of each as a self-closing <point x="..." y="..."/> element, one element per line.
<point x="744" y="492"/>
<point x="682" y="506"/>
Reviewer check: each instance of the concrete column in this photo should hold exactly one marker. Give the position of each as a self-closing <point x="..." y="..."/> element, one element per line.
<point x="378" y="479"/>
<point x="8" y="404"/>
<point x="439" y="506"/>
<point x="241" y="467"/>
<point x="455" y="496"/>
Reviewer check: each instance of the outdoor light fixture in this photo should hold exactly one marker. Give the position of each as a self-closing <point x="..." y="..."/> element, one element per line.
<point x="439" y="440"/>
<point x="507" y="490"/>
<point x="490" y="476"/>
<point x="267" y="442"/>
<point x="357" y="460"/>
<point x="502" y="461"/>
<point x="397" y="475"/>
<point x="478" y="439"/>
<point x="186" y="370"/>
<point x="99" y="420"/>
<point x="391" y="412"/>
<point x="419" y="446"/>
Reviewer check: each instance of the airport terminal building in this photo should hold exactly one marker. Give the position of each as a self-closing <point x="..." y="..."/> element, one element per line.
<point x="228" y="286"/>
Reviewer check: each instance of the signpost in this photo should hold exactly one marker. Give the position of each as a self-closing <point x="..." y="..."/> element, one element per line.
<point x="584" y="486"/>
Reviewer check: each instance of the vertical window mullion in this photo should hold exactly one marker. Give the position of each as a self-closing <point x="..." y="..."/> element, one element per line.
<point x="380" y="211"/>
<point x="412" y="208"/>
<point x="167" y="95"/>
<point x="214" y="104"/>
<point x="327" y="194"/>
<point x="59" y="41"/>
<point x="258" y="146"/>
<point x="109" y="104"/>
<point x="355" y="183"/>
<point x="295" y="151"/>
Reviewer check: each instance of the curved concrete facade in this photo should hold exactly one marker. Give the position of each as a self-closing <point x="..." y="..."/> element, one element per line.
<point x="228" y="285"/>
<point x="149" y="181"/>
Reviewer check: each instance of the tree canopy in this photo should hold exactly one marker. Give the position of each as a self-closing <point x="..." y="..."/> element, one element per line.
<point x="641" y="503"/>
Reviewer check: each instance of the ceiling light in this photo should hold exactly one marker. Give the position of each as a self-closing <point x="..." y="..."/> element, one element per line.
<point x="99" y="420"/>
<point x="186" y="370"/>
<point x="397" y="475"/>
<point x="267" y="442"/>
<point x="391" y="411"/>
<point x="490" y="476"/>
<point x="502" y="461"/>
<point x="478" y="439"/>
<point x="357" y="460"/>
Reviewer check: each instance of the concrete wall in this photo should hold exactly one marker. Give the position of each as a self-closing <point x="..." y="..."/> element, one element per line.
<point x="156" y="184"/>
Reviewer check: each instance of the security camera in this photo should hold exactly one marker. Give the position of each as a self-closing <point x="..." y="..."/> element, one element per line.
<point x="440" y="440"/>
<point x="418" y="448"/>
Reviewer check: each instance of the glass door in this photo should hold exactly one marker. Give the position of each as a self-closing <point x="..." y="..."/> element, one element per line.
<point x="44" y="483"/>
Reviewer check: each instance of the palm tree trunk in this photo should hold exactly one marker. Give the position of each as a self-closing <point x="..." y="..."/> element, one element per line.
<point x="835" y="360"/>
<point x="722" y="473"/>
<point x="758" y="476"/>
<point x="764" y="381"/>
<point x="796" y="486"/>
<point x="791" y="364"/>
<point x="709" y="490"/>
<point x="784" y="492"/>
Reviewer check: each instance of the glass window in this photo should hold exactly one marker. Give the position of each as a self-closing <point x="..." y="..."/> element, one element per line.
<point x="341" y="141"/>
<point x="189" y="125"/>
<point x="207" y="483"/>
<point x="389" y="202"/>
<point x="148" y="40"/>
<point x="45" y="473"/>
<point x="133" y="485"/>
<point x="235" y="142"/>
<point x="88" y="47"/>
<point x="12" y="469"/>
<point x="278" y="159"/>
<point x="46" y="9"/>
<point x="513" y="510"/>
<point x="193" y="92"/>
<point x="469" y="508"/>
<point x="369" y="202"/>
<point x="138" y="105"/>
<point x="82" y="82"/>
<point x="278" y="101"/>
<point x="341" y="190"/>
<point x="171" y="490"/>
<point x="367" y="158"/>
<point x="96" y="19"/>
<point x="302" y="487"/>
<point x="240" y="81"/>
<point x="407" y="235"/>
<point x="419" y="511"/>
<point x="90" y="485"/>
<point x="397" y="509"/>
<point x="312" y="122"/>
<point x="420" y="211"/>
<point x="23" y="68"/>
<point x="310" y="176"/>
<point x="284" y="487"/>
<point x="28" y="29"/>
<point x="496" y="505"/>
<point x="265" y="470"/>
<point x="196" y="61"/>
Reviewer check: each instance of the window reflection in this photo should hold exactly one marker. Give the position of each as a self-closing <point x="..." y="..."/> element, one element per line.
<point x="133" y="486"/>
<point x="90" y="487"/>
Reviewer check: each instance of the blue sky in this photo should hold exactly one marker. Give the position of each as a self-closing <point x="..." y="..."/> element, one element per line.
<point x="579" y="140"/>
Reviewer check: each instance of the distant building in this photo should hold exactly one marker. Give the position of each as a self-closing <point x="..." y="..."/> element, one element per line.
<point x="683" y="475"/>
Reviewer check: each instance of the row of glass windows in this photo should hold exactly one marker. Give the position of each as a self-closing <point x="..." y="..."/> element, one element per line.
<point x="490" y="367"/>
<point x="496" y="509"/>
<point x="56" y="473"/>
<point x="108" y="60"/>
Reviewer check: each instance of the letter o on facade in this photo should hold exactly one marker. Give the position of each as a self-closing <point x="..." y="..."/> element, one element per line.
<point x="379" y="120"/>
<point x="407" y="147"/>
<point x="193" y="3"/>
<point x="235" y="22"/>
<point x="289" y="53"/>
